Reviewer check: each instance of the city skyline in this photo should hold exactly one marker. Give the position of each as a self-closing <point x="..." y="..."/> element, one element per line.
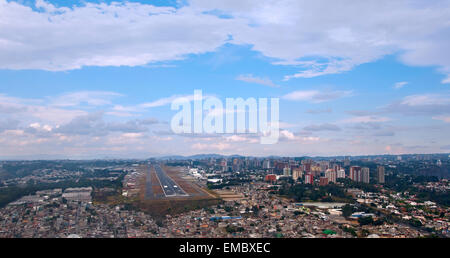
<point x="95" y="79"/>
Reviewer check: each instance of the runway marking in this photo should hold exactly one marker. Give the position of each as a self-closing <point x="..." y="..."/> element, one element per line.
<point x="160" y="183"/>
<point x="174" y="182"/>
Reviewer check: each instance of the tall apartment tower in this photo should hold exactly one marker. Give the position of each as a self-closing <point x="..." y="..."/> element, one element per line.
<point x="297" y="173"/>
<point x="331" y="175"/>
<point x="380" y="174"/>
<point x="287" y="171"/>
<point x="341" y="173"/>
<point x="266" y="164"/>
<point x="355" y="173"/>
<point x="309" y="179"/>
<point x="365" y="175"/>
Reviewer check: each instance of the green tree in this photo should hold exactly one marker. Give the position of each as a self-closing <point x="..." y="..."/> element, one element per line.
<point x="366" y="220"/>
<point x="347" y="210"/>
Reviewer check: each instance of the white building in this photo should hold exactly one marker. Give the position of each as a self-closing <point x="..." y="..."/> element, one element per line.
<point x="341" y="173"/>
<point x="331" y="175"/>
<point x="365" y="177"/>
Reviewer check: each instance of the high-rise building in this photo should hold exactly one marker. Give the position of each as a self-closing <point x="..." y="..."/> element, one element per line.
<point x="306" y="165"/>
<point x="297" y="173"/>
<point x="380" y="174"/>
<point x="355" y="173"/>
<point x="236" y="164"/>
<point x="331" y="175"/>
<point x="315" y="170"/>
<point x="287" y="171"/>
<point x="341" y="173"/>
<point x="266" y="164"/>
<point x="324" y="165"/>
<point x="365" y="175"/>
<point x="279" y="166"/>
<point x="336" y="167"/>
<point x="224" y="165"/>
<point x="308" y="179"/>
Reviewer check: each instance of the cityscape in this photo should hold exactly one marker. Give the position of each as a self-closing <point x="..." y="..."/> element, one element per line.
<point x="214" y="196"/>
<point x="225" y="126"/>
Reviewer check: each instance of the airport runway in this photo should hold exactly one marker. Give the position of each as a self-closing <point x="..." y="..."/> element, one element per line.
<point x="168" y="185"/>
<point x="148" y="188"/>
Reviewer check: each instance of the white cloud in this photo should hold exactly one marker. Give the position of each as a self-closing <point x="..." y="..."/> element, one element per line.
<point x="287" y="135"/>
<point x="120" y="114"/>
<point x="30" y="110"/>
<point x="319" y="111"/>
<point x="332" y="37"/>
<point x="211" y="146"/>
<point x="366" y="119"/>
<point x="62" y="114"/>
<point x="115" y="34"/>
<point x="252" y="79"/>
<point x="132" y="135"/>
<point x="421" y="104"/>
<point x="249" y="138"/>
<point x="164" y="101"/>
<point x="322" y="37"/>
<point x="310" y="139"/>
<point x="92" y="98"/>
<point x="400" y="85"/>
<point x="316" y="96"/>
<point x="322" y="127"/>
<point x="315" y="69"/>
<point x="442" y="118"/>
<point x="37" y="126"/>
<point x="446" y="80"/>
<point x="161" y="102"/>
<point x="426" y="99"/>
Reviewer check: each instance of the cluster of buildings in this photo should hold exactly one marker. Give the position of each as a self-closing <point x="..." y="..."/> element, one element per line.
<point x="258" y="214"/>
<point x="80" y="194"/>
<point x="14" y="173"/>
<point x="430" y="216"/>
<point x="320" y="171"/>
<point x="325" y="173"/>
<point x="439" y="186"/>
<point x="43" y="176"/>
<point x="131" y="181"/>
<point x="58" y="214"/>
<point x="261" y="214"/>
<point x="250" y="208"/>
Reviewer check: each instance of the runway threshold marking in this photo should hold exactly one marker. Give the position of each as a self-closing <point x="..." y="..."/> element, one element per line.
<point x="172" y="195"/>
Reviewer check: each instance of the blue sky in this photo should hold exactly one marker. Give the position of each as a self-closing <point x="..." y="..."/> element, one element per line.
<point x="93" y="79"/>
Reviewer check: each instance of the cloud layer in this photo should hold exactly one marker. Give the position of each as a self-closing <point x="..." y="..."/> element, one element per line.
<point x="319" y="37"/>
<point x="309" y="38"/>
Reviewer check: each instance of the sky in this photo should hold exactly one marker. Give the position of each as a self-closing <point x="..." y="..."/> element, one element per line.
<point x="95" y="79"/>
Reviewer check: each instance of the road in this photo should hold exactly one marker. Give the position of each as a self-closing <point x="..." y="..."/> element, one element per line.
<point x="168" y="185"/>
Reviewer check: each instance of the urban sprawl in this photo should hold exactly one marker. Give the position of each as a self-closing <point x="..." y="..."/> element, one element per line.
<point x="386" y="196"/>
